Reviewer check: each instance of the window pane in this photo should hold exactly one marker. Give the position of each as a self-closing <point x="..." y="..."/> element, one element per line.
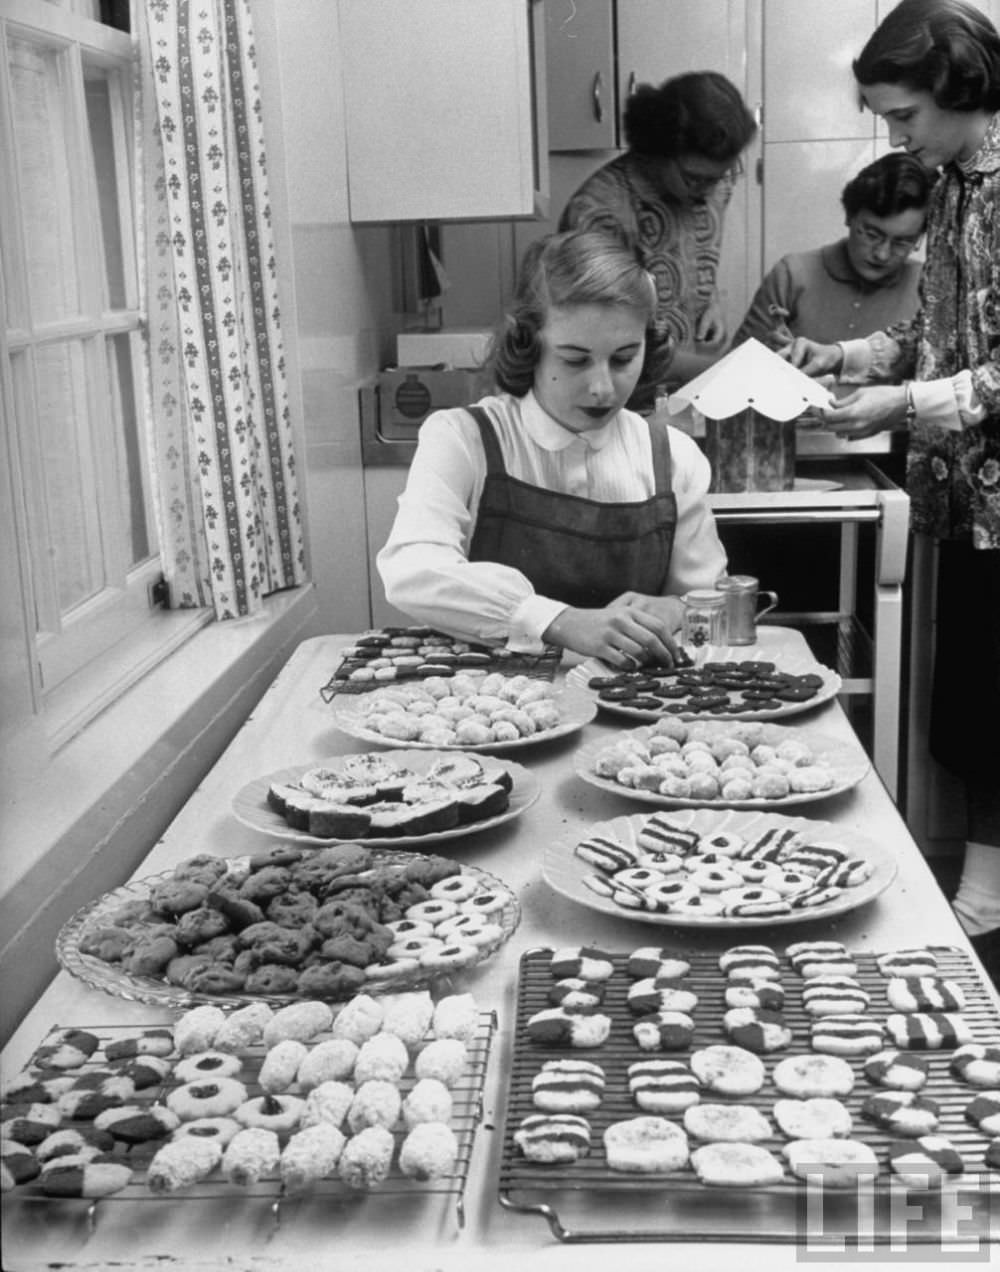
<point x="43" y="169"/>
<point x="120" y="352"/>
<point x="70" y="526"/>
<point x="103" y="145"/>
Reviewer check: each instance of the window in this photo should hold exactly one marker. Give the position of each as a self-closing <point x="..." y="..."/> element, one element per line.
<point x="70" y="338"/>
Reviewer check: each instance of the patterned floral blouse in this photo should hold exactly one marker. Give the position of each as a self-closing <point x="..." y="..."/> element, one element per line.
<point x="953" y="476"/>
<point x="679" y="243"/>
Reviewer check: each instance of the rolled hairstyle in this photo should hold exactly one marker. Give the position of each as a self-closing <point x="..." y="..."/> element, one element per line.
<point x="947" y="48"/>
<point x="700" y="113"/>
<point x="577" y="267"/>
<point x="895" y="183"/>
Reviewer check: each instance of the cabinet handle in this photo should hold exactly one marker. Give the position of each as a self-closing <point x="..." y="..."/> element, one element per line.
<point x="598" y="101"/>
<point x="631" y="84"/>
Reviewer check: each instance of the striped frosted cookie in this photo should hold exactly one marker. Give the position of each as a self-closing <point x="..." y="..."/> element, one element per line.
<point x="658" y="833"/>
<point x="927" y="1030"/>
<point x="833" y="995"/>
<point x="663" y="1086"/>
<point x="915" y="962"/>
<point x="568" y="1086"/>
<point x="607" y="854"/>
<point x="976" y="1064"/>
<point x="651" y="960"/>
<point x="820" y="1117"/>
<point x="925" y="1160"/>
<point x="772" y="845"/>
<point x="648" y="996"/>
<point x="924" y="993"/>
<point x="848" y="1034"/>
<point x="814" y="858"/>
<point x="750" y="962"/>
<point x="553" y="1137"/>
<point x="906" y="1112"/>
<point x="554" y="1027"/>
<point x="902" y="1070"/>
<point x="821" y="958"/>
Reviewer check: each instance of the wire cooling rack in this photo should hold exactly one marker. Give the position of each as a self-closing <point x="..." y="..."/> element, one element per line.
<point x="587" y="1201"/>
<point x="467" y="1114"/>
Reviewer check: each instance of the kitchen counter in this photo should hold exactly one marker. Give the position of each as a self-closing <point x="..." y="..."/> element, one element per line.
<point x="293" y="726"/>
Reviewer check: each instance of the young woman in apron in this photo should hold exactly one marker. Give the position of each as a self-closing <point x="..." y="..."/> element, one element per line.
<point x="549" y="513"/>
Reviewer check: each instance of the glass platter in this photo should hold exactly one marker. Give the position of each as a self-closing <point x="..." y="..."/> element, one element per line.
<point x="564" y="871"/>
<point x="847" y="762"/>
<point x="576" y="708"/>
<point x="796" y="665"/>
<point x="112" y="979"/>
<point x="250" y="806"/>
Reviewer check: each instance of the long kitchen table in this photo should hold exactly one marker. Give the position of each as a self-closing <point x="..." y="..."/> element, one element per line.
<point x="292" y="725"/>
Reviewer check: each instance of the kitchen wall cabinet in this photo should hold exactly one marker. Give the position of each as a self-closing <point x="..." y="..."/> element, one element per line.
<point x="581" y="75"/>
<point x="445" y="108"/>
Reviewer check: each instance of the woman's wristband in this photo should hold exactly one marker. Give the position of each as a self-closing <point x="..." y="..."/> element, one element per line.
<point x="910" y="414"/>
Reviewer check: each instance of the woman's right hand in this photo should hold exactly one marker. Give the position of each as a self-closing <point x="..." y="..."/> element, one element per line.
<point x="623" y="634"/>
<point x="812" y="358"/>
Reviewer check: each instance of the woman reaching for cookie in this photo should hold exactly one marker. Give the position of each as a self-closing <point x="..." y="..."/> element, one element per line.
<point x="931" y="70"/>
<point x="549" y="512"/>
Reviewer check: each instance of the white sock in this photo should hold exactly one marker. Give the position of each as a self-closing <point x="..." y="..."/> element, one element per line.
<point x="977" y="901"/>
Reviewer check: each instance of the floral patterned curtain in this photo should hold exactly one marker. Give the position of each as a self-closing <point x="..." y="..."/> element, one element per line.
<point x="230" y="523"/>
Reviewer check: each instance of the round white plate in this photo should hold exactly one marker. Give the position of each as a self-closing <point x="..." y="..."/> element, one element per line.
<point x="847" y="762"/>
<point x="112" y="979"/>
<point x="250" y="806"/>
<point x="563" y="870"/>
<point x="576" y="708"/>
<point x="580" y="675"/>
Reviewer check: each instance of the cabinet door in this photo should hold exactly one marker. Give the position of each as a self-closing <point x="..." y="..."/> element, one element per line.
<point x="444" y="108"/>
<point x="580" y="70"/>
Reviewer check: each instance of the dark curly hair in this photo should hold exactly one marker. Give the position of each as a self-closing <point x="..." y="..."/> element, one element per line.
<point x="577" y="267"/>
<point x="947" y="48"/>
<point x="895" y="183"/>
<point x="700" y="113"/>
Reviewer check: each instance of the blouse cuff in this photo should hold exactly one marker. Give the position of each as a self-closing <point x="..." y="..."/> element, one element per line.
<point x="948" y="403"/>
<point x="529" y="620"/>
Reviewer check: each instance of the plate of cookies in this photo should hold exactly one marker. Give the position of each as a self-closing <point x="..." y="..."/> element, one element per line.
<point x="469" y="712"/>
<point x="286" y="924"/>
<point x="719" y="868"/>
<point x="714" y="680"/>
<point x="678" y="763"/>
<point x="397" y="798"/>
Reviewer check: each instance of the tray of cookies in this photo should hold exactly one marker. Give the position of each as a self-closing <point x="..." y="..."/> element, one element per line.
<point x="394" y="798"/>
<point x="719" y="868"/>
<point x="725" y="681"/>
<point x="733" y="764"/>
<point x="285" y="924"/>
<point x="384" y="655"/>
<point x="380" y="1097"/>
<point x="670" y="1094"/>
<point x="492" y="714"/>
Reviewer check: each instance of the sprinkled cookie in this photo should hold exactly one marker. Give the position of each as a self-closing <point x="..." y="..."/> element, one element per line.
<point x="736" y="1165"/>
<point x="727" y="1122"/>
<point x="817" y="1118"/>
<point x="836" y="1163"/>
<point x="728" y="1070"/>
<point x="645" y="1145"/>
<point x="813" y="1075"/>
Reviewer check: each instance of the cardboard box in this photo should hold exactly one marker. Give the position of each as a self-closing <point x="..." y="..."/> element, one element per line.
<point x="407" y="395"/>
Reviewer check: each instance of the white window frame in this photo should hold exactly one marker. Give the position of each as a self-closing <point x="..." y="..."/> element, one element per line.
<point x="93" y="636"/>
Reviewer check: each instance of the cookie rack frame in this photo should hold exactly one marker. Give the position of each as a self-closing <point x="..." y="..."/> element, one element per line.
<point x="587" y="1202"/>
<point x="467" y="1114"/>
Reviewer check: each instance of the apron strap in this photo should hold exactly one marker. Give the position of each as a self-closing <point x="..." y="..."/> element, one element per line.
<point x="491" y="444"/>
<point x="659" y="441"/>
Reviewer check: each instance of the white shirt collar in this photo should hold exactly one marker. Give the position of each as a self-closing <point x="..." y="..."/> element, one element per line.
<point x="550" y="435"/>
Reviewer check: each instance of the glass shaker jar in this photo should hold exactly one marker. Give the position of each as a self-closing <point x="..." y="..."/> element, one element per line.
<point x="704" y="617"/>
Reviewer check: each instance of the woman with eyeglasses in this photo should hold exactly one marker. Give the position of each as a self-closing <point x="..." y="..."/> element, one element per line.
<point x="861" y="283"/>
<point x="931" y="70"/>
<point x="668" y="194"/>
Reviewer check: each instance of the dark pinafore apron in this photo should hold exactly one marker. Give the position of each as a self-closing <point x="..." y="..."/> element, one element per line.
<point x="575" y="550"/>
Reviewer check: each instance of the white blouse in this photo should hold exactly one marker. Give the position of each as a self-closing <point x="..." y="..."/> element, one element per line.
<point x="424" y="564"/>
